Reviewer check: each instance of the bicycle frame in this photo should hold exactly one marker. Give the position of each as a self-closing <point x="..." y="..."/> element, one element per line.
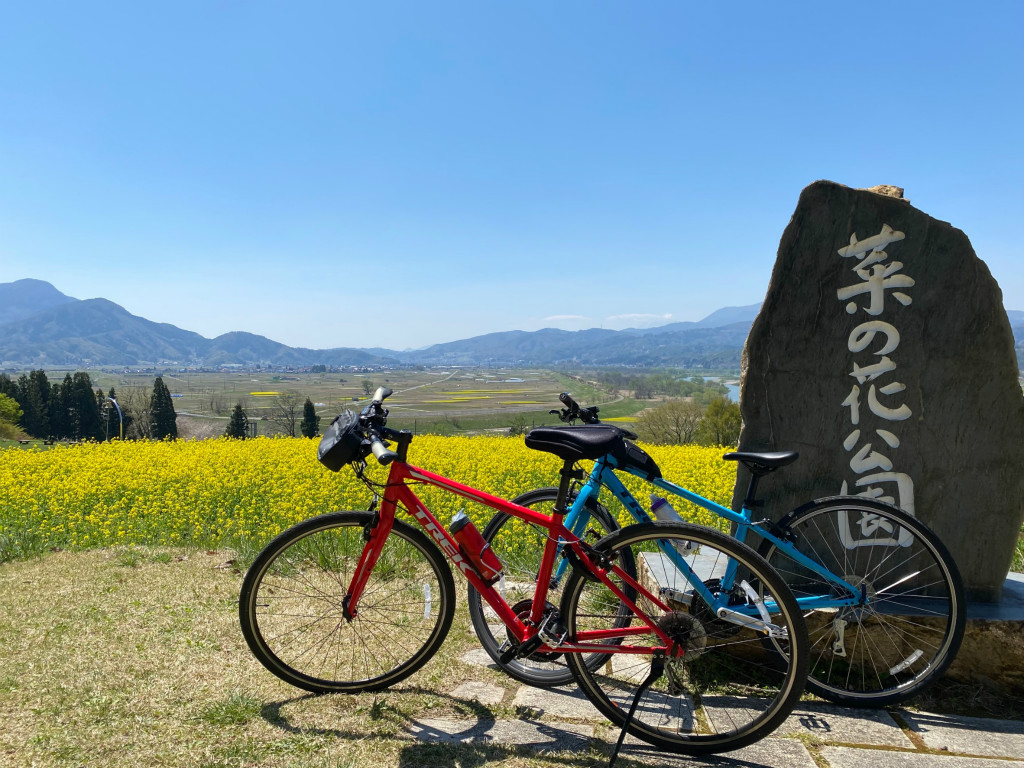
<point x="398" y="493"/>
<point x="603" y="474"/>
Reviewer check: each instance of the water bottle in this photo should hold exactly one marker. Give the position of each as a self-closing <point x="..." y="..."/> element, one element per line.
<point x="663" y="512"/>
<point x="474" y="548"/>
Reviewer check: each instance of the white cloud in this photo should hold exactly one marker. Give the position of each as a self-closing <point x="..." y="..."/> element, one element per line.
<point x="637" y="320"/>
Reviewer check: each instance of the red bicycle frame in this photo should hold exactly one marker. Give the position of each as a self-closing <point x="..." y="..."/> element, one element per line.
<point x="398" y="493"/>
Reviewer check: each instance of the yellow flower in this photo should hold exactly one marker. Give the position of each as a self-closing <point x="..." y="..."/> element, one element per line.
<point x="222" y="492"/>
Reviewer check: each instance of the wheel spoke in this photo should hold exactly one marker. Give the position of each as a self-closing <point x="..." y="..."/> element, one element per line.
<point x="292" y="596"/>
<point x="908" y="629"/>
<point x="724" y="684"/>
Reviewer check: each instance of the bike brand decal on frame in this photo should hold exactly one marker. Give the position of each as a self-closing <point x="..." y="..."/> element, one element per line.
<point x="443" y="542"/>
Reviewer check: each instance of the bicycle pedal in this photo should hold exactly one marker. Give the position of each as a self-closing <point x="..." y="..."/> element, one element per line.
<point x="552" y="633"/>
<point x="522" y="650"/>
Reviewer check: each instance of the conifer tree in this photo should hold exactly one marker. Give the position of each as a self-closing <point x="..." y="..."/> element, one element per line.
<point x="89" y="425"/>
<point x="63" y="423"/>
<point x="238" y="426"/>
<point x="162" y="418"/>
<point x="34" y="396"/>
<point x="310" y="426"/>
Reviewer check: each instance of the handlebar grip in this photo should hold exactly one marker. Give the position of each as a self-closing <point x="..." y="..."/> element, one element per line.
<point x="567" y="400"/>
<point x="382" y="453"/>
<point x="382" y="394"/>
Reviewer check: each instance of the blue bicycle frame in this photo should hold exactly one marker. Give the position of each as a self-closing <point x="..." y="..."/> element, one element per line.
<point x="603" y="474"/>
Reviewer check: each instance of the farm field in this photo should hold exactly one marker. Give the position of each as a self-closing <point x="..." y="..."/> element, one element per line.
<point x="438" y="400"/>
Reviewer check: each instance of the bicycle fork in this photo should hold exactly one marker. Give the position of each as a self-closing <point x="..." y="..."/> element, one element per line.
<point x="375" y="533"/>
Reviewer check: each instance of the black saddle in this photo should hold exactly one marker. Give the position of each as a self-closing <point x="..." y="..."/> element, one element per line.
<point x="761" y="463"/>
<point x="590" y="442"/>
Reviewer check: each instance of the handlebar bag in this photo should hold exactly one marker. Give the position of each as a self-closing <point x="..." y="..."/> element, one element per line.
<point x="342" y="443"/>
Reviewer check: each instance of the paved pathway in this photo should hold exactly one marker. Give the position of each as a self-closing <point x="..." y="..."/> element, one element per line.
<point x="814" y="736"/>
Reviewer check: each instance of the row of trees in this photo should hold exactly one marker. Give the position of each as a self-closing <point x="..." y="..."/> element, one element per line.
<point x="679" y="422"/>
<point x="32" y="406"/>
<point x="648" y="384"/>
<point x="74" y="410"/>
<point x="285" y="417"/>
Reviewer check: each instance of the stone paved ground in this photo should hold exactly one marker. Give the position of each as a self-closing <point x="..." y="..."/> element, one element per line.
<point x="814" y="736"/>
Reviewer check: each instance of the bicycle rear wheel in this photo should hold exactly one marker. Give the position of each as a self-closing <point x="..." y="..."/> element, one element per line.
<point x="290" y="606"/>
<point x="906" y="629"/>
<point x="519" y="545"/>
<point x="727" y="689"/>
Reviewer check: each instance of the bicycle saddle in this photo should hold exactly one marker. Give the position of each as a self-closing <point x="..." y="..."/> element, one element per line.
<point x="761" y="463"/>
<point x="590" y="441"/>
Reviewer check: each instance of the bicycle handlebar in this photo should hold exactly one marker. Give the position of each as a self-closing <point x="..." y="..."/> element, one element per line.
<point x="373" y="420"/>
<point x="381" y="452"/>
<point x="572" y="411"/>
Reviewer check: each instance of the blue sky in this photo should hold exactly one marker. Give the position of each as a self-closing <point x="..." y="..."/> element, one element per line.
<point x="403" y="173"/>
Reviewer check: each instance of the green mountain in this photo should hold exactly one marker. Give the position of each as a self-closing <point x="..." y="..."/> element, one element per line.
<point x="41" y="327"/>
<point x="695" y="347"/>
<point x="24" y="298"/>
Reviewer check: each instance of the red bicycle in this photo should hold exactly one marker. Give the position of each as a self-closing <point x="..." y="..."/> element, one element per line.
<point x="357" y="601"/>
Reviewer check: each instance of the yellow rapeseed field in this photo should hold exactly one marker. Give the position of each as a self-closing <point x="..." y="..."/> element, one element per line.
<point x="225" y="492"/>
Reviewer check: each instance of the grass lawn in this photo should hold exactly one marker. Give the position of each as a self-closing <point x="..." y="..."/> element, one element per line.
<point x="116" y="657"/>
<point x="133" y="656"/>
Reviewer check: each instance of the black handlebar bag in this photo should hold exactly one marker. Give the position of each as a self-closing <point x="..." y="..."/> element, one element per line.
<point x="342" y="443"/>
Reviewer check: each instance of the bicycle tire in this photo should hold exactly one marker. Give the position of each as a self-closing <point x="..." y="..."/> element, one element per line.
<point x="911" y="628"/>
<point x="290" y="606"/>
<point x="520" y="549"/>
<point x="727" y="690"/>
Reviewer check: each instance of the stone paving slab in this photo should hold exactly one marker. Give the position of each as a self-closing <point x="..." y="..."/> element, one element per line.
<point x="970" y="735"/>
<point x="523" y="733"/>
<point x="851" y="757"/>
<point x="788" y="753"/>
<point x="559" y="702"/>
<point x="485" y="693"/>
<point x="827" y="722"/>
<point x="478" y="657"/>
<point x="767" y="753"/>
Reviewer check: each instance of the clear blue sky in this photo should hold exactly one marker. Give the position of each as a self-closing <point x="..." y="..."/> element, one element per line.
<point x="404" y="173"/>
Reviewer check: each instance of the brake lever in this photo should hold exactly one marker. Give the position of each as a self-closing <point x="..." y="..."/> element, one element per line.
<point x="564" y="415"/>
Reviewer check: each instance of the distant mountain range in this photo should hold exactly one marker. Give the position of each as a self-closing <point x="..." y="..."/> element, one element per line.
<point x="42" y="327"/>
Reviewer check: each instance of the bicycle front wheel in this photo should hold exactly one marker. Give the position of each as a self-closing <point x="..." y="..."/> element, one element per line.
<point x="720" y="687"/>
<point x="519" y="545"/>
<point x="290" y="607"/>
<point x="908" y="622"/>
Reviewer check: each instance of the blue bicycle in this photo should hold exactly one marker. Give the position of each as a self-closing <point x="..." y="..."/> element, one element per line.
<point x="881" y="595"/>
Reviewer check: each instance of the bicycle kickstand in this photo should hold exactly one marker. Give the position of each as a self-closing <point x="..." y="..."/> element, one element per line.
<point x="657" y="669"/>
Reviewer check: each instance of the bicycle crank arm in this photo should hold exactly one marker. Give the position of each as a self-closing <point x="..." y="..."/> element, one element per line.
<point x="763" y="624"/>
<point x="676" y="596"/>
<point x="758" y="625"/>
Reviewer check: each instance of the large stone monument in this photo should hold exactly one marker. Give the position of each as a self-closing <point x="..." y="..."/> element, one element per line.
<point x="883" y="354"/>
